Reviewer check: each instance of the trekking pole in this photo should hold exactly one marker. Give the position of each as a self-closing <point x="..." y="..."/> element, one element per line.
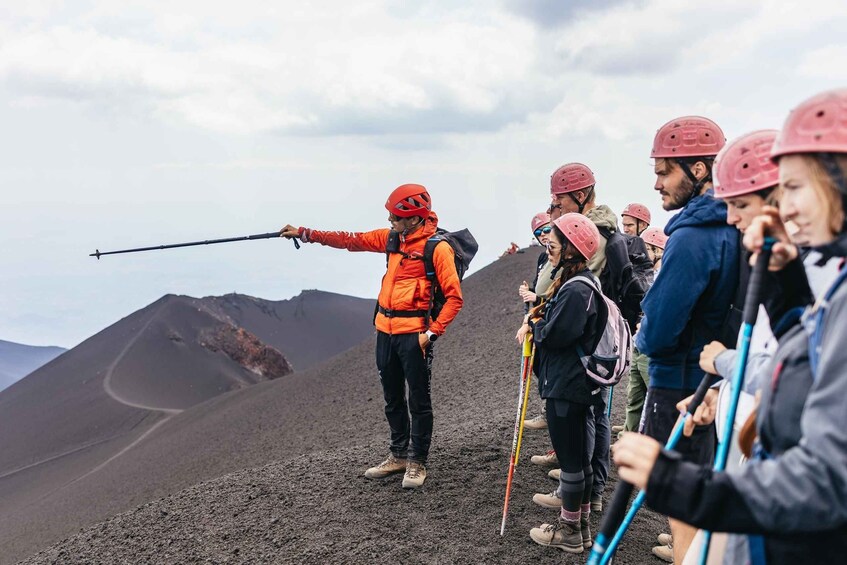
<point x="524" y="384"/>
<point x="525" y="396"/>
<point x="751" y="313"/>
<point x="601" y="553"/>
<point x="97" y="253"/>
<point x="609" y="407"/>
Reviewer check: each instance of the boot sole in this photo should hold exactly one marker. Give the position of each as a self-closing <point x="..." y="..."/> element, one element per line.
<point x="411" y="486"/>
<point x="566" y="548"/>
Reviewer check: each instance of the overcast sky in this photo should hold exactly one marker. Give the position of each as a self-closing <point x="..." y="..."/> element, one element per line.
<point x="139" y="123"/>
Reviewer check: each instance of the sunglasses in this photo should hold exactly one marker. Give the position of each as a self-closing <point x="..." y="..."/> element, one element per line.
<point x="542" y="231"/>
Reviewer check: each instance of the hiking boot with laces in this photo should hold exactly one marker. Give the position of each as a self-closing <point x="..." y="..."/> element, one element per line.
<point x="585" y="532"/>
<point x="537" y="423"/>
<point x="561" y="535"/>
<point x="388" y="467"/>
<point x="665" y="539"/>
<point x="551" y="500"/>
<point x="664" y="552"/>
<point x="547" y="460"/>
<point x="415" y="475"/>
<point x="554" y="474"/>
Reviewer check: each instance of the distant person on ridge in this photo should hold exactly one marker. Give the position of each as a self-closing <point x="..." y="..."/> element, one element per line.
<point x="404" y="345"/>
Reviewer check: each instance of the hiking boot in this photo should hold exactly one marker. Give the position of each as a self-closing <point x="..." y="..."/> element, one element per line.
<point x="585" y="532"/>
<point x="665" y="539"/>
<point x="596" y="503"/>
<point x="547" y="460"/>
<point x="537" y="423"/>
<point x="552" y="500"/>
<point x="664" y="552"/>
<point x="561" y="535"/>
<point x="617" y="429"/>
<point x="554" y="474"/>
<point x="388" y="467"/>
<point x="415" y="475"/>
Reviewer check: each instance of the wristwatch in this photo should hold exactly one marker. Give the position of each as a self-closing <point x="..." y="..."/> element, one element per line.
<point x="431" y="336"/>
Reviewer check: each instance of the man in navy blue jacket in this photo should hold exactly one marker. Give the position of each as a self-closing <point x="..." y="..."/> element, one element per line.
<point x="692" y="298"/>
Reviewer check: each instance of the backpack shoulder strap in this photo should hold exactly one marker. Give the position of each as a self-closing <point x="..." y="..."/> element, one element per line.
<point x="428" y="254"/>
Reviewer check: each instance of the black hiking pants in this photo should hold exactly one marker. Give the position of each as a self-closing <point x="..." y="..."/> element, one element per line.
<point x="401" y="363"/>
<point x="567" y="423"/>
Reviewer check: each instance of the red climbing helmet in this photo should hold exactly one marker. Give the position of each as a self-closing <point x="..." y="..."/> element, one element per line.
<point x="570" y="178"/>
<point x="688" y="136"/>
<point x="539" y="220"/>
<point x="581" y="232"/>
<point x="655" y="237"/>
<point x="409" y="200"/>
<point x="744" y="166"/>
<point x="817" y="125"/>
<point x="637" y="211"/>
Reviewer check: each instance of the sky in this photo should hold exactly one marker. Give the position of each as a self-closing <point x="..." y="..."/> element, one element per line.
<point x="142" y="123"/>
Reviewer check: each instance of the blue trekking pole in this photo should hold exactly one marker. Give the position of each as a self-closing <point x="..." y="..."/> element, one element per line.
<point x="601" y="553"/>
<point x="609" y="407"/>
<point x="751" y="312"/>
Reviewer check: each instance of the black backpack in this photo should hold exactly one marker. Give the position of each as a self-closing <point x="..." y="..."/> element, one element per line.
<point x="464" y="248"/>
<point x="628" y="275"/>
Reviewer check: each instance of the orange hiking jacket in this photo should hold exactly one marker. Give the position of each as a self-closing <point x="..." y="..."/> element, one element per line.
<point x="405" y="286"/>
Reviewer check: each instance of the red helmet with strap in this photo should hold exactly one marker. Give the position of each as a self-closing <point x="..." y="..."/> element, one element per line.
<point x="655" y="237"/>
<point x="637" y="211"/>
<point x="570" y="178"/>
<point x="539" y="220"/>
<point x="818" y="125"/>
<point x="688" y="136"/>
<point x="581" y="232"/>
<point x="744" y="166"/>
<point x="409" y="200"/>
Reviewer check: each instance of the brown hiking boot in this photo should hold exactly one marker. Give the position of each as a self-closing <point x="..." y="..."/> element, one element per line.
<point x="585" y="531"/>
<point x="596" y="503"/>
<point x="617" y="429"/>
<point x="537" y="423"/>
<point x="665" y="539"/>
<point x="561" y="535"/>
<point x="547" y="460"/>
<point x="554" y="474"/>
<point x="415" y="475"/>
<point x="551" y="500"/>
<point x="388" y="467"/>
<point x="664" y="552"/>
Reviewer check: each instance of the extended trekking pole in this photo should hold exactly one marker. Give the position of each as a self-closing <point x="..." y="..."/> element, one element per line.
<point x="751" y="313"/>
<point x="526" y="369"/>
<point x="609" y="407"/>
<point x="601" y="553"/>
<point x="525" y="396"/>
<point x="97" y="253"/>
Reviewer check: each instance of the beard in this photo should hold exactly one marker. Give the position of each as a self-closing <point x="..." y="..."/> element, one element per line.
<point x="681" y="196"/>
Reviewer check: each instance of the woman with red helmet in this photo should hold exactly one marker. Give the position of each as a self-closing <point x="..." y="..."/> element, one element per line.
<point x="793" y="496"/>
<point x="655" y="240"/>
<point x="404" y="348"/>
<point x="572" y="318"/>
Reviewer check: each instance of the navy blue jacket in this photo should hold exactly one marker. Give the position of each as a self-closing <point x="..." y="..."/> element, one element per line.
<point x="691" y="298"/>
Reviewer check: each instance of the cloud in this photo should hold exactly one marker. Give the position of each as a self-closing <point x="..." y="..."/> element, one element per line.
<point x="314" y="76"/>
<point x="554" y="13"/>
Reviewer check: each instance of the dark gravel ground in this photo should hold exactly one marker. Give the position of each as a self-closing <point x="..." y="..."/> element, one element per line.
<point x="315" y="507"/>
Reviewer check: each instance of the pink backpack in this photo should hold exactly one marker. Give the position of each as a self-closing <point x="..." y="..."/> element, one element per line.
<point x="610" y="360"/>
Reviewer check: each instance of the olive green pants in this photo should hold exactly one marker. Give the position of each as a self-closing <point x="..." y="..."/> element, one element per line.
<point x="636" y="390"/>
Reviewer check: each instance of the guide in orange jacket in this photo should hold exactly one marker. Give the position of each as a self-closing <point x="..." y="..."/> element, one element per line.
<point x="404" y="348"/>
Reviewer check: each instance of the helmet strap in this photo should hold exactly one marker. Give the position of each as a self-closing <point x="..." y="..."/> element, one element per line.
<point x="581" y="205"/>
<point x="697" y="184"/>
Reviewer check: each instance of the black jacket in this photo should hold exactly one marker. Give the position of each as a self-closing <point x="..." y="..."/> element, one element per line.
<point x="575" y="316"/>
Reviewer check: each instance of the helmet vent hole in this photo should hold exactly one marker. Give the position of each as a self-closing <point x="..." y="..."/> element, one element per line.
<point x="820" y="114"/>
<point x="745" y="166"/>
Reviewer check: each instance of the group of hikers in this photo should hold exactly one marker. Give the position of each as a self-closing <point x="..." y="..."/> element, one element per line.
<point x="680" y="291"/>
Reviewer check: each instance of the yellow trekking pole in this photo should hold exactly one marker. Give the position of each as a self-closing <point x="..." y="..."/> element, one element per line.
<point x="526" y="371"/>
<point x="528" y="352"/>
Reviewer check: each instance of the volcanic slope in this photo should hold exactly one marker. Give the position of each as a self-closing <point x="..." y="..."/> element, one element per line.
<point x="18" y="360"/>
<point x="309" y="328"/>
<point x="298" y="447"/>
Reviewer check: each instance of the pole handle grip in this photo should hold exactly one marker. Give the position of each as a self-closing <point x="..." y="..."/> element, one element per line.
<point x="613" y="516"/>
<point x="699" y="394"/>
